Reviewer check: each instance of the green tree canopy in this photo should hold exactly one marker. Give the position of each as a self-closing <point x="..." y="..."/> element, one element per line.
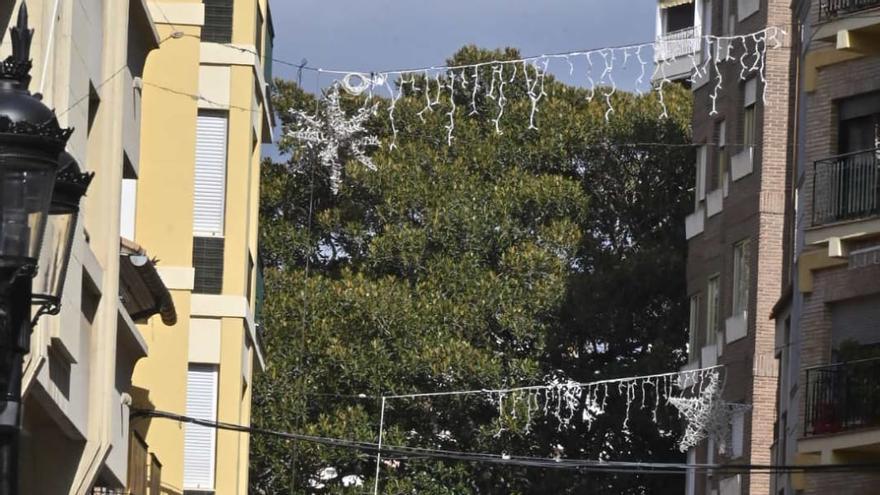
<point x="499" y="261"/>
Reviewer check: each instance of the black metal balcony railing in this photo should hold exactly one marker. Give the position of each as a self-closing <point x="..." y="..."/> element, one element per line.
<point x="829" y="9"/>
<point x="842" y="396"/>
<point x="846" y="187"/>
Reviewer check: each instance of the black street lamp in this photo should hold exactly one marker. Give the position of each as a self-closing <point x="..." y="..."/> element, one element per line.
<point x="31" y="142"/>
<point x="70" y="186"/>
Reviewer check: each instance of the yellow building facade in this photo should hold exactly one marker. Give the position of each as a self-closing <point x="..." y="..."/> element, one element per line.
<point x="197" y="209"/>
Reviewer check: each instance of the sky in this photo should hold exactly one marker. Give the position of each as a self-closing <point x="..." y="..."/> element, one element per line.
<point x="376" y="35"/>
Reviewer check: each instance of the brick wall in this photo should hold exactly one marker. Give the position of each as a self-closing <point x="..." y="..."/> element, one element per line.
<point x="754" y="209"/>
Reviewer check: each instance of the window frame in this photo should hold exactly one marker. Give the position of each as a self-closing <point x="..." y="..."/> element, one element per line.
<point x="713" y="308"/>
<point x="213" y="31"/>
<point x="722" y="161"/>
<point x="741" y="278"/>
<point x="694" y="327"/>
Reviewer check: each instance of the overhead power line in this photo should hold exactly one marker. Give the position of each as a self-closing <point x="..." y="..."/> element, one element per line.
<point x="580" y="465"/>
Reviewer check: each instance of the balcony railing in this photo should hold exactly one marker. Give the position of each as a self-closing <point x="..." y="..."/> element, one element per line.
<point x="842" y="396"/>
<point x="846" y="187"/>
<point x="677" y="44"/>
<point x="829" y="9"/>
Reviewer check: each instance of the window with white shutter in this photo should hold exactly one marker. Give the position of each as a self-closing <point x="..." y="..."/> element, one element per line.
<point x="210" y="174"/>
<point x="200" y="441"/>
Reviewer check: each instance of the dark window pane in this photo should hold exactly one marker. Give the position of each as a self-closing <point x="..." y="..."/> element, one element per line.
<point x="208" y="265"/>
<point x="218" y="21"/>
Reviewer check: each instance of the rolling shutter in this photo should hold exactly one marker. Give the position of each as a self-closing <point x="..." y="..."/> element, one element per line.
<point x="200" y="441"/>
<point x="218" y="21"/>
<point x="210" y="174"/>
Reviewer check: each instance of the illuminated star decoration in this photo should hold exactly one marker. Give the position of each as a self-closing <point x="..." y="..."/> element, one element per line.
<point x="707" y="416"/>
<point x="335" y="135"/>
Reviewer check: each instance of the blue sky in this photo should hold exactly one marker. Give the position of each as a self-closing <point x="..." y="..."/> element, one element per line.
<point x="377" y="35"/>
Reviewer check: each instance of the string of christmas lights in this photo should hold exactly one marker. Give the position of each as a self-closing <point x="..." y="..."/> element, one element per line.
<point x="328" y="129"/>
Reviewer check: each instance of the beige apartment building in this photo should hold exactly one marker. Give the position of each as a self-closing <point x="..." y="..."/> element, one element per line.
<point x="88" y="57"/>
<point x="169" y="101"/>
<point x="196" y="208"/>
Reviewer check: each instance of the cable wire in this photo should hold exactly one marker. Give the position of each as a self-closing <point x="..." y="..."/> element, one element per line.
<point x="522" y="461"/>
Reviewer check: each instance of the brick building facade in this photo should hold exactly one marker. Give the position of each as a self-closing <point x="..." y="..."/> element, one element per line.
<point x="737" y="232"/>
<point x="828" y="325"/>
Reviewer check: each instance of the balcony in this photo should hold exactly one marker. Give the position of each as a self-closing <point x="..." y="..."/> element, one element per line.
<point x="846" y="187"/>
<point x="849" y="25"/>
<point x="675" y="53"/>
<point x="675" y="44"/>
<point x="832" y="9"/>
<point x="842" y="397"/>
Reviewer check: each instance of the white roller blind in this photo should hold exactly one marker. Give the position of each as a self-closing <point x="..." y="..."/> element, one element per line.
<point x="128" y="205"/>
<point x="200" y="441"/>
<point x="210" y="174"/>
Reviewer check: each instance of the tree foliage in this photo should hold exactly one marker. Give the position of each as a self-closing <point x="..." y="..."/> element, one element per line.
<point x="498" y="261"/>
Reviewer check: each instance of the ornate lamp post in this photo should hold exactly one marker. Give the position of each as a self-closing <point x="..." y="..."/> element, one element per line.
<point x="70" y="186"/>
<point x="31" y="142"/>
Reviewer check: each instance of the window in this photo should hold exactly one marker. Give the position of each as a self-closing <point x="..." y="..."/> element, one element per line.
<point x="859" y="123"/>
<point x="209" y="192"/>
<point x="258" y="39"/>
<point x="700" y="186"/>
<point x="679" y="17"/>
<point x="218" y="21"/>
<point x="707" y="29"/>
<point x="741" y="278"/>
<point x="750" y="126"/>
<point x="713" y="299"/>
<point x="722" y="158"/>
<point x="728" y="20"/>
<point x="737" y="434"/>
<point x="745" y="8"/>
<point x="693" y="328"/>
<point x="128" y="202"/>
<point x="269" y="48"/>
<point x="209" y="197"/>
<point x="199" y="442"/>
<point x="208" y="265"/>
<point x="250" y="278"/>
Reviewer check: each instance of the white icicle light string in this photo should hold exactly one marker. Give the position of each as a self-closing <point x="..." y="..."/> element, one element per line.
<point x="695" y="393"/>
<point x="439" y="83"/>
